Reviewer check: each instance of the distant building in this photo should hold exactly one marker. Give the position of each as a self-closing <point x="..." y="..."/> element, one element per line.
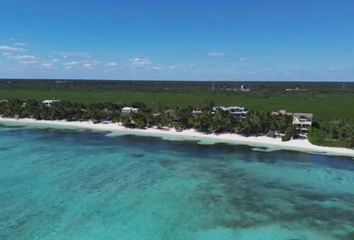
<point x="129" y="110"/>
<point x="302" y="121"/>
<point x="296" y="89"/>
<point x="243" y="89"/>
<point x="282" y="112"/>
<point x="50" y="102"/>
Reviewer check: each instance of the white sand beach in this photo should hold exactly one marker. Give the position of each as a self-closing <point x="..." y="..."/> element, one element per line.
<point x="261" y="141"/>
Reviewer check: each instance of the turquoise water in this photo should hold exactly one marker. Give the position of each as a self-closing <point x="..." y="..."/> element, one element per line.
<point x="63" y="184"/>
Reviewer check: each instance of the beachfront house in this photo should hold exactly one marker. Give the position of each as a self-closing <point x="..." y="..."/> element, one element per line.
<point x="234" y="110"/>
<point x="238" y="111"/>
<point x="302" y="121"/>
<point x="50" y="102"/>
<point x="129" y="110"/>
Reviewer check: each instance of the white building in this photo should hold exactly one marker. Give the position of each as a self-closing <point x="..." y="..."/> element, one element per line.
<point x="50" y="102"/>
<point x="197" y="112"/>
<point x="234" y="110"/>
<point x="243" y="89"/>
<point x="128" y="110"/>
<point x="282" y="112"/>
<point x="302" y="121"/>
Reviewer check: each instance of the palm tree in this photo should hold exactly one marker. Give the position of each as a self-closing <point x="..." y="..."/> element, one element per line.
<point x="245" y="126"/>
<point x="125" y="119"/>
<point x="184" y="117"/>
<point x="166" y="119"/>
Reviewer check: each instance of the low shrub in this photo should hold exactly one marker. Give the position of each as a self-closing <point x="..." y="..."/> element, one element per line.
<point x="316" y="137"/>
<point x="285" y="138"/>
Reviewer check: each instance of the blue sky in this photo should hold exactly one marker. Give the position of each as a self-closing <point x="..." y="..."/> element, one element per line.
<point x="184" y="40"/>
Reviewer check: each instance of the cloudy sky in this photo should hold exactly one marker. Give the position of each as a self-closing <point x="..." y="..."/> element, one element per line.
<point x="181" y="40"/>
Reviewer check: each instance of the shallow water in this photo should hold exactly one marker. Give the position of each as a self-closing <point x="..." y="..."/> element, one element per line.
<point x="64" y="184"/>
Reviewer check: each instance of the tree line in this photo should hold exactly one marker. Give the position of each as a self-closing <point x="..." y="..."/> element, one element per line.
<point x="331" y="133"/>
<point x="228" y="87"/>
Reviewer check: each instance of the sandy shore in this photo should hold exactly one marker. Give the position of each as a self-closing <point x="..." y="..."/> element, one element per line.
<point x="262" y="141"/>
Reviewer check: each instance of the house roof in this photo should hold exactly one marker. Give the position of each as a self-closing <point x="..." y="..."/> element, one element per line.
<point x="170" y="111"/>
<point x="282" y="112"/>
<point x="303" y="114"/>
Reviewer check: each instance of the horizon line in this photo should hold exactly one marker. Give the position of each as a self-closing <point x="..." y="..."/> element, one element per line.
<point x="169" y="80"/>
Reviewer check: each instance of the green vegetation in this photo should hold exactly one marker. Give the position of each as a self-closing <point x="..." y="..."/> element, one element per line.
<point x="323" y="106"/>
<point x="338" y="133"/>
<point x="266" y="89"/>
<point x="330" y="103"/>
<point x="286" y="138"/>
<point x="326" y="100"/>
<point x="255" y="123"/>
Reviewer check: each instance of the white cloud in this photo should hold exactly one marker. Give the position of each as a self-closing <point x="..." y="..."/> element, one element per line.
<point x="88" y="66"/>
<point x="334" y="68"/>
<point x="138" y="62"/>
<point x="156" y="68"/>
<point x="176" y="66"/>
<point x="208" y="64"/>
<point x="12" y="39"/>
<point x="10" y="69"/>
<point x="56" y="60"/>
<point x="47" y="64"/>
<point x="194" y="64"/>
<point x="73" y="54"/>
<point x="112" y="64"/>
<point x="70" y="64"/>
<point x="20" y="44"/>
<point x="7" y="48"/>
<point x="27" y="62"/>
<point x="21" y="57"/>
<point x="7" y="54"/>
<point x="243" y="60"/>
<point x="216" y="54"/>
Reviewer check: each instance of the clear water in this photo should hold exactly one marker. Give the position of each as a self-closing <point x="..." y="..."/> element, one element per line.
<point x="61" y="184"/>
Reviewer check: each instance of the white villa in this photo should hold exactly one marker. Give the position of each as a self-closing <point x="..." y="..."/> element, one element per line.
<point x="128" y="110"/>
<point x="302" y="121"/>
<point x="237" y="111"/>
<point x="197" y="112"/>
<point x="50" y="102"/>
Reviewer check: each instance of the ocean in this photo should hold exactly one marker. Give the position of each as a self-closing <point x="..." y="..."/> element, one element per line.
<point x="61" y="184"/>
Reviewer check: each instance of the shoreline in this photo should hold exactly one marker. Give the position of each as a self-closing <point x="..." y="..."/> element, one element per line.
<point x="261" y="141"/>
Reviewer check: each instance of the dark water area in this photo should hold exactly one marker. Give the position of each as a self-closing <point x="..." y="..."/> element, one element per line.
<point x="68" y="184"/>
